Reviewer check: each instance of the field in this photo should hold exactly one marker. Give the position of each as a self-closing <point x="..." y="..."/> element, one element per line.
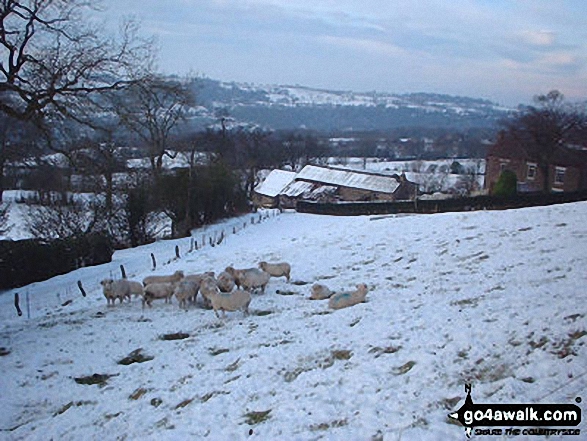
<point x="496" y="299"/>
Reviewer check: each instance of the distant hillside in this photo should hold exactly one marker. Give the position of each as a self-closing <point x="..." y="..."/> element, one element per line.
<point x="291" y="107"/>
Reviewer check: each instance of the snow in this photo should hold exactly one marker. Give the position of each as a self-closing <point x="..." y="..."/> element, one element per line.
<point x="495" y="298"/>
<point x="275" y="182"/>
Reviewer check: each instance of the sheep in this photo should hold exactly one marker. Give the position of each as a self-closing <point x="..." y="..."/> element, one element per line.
<point x="208" y="287"/>
<point x="135" y="288"/>
<point x="345" y="299"/>
<point x="116" y="289"/>
<point x="185" y="290"/>
<point x="250" y="278"/>
<point x="225" y="282"/>
<point x="320" y="292"/>
<point x="158" y="291"/>
<point x="233" y="301"/>
<point x="276" y="269"/>
<point x="175" y="277"/>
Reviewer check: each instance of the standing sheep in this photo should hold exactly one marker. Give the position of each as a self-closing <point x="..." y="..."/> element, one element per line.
<point x="233" y="301"/>
<point x="225" y="282"/>
<point x="276" y="269"/>
<point x="184" y="291"/>
<point x="250" y="278"/>
<point x="175" y="277"/>
<point x="208" y="287"/>
<point x="158" y="291"/>
<point x="116" y="289"/>
<point x="346" y="299"/>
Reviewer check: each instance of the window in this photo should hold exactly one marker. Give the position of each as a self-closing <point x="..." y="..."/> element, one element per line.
<point x="531" y="172"/>
<point x="559" y="175"/>
<point x="503" y="166"/>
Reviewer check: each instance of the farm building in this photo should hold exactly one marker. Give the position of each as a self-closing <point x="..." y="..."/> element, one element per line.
<point x="266" y="194"/>
<point x="332" y="184"/>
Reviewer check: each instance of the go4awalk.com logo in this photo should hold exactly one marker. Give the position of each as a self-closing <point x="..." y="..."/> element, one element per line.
<point x="537" y="419"/>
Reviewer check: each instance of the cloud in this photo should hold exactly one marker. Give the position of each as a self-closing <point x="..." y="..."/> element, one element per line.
<point x="539" y="38"/>
<point x="364" y="45"/>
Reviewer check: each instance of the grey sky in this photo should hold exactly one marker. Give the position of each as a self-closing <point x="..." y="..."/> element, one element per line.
<point x="504" y="50"/>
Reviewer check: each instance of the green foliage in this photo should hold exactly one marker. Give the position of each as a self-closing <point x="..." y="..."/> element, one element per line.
<point x="506" y="184"/>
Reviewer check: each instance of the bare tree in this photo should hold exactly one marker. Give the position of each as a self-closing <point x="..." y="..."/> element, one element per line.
<point x="543" y="129"/>
<point x="4" y="226"/>
<point x="153" y="109"/>
<point x="54" y="58"/>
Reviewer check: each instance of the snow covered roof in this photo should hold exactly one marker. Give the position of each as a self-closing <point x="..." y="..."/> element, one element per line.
<point x="348" y="178"/>
<point x="275" y="182"/>
<point x="297" y="188"/>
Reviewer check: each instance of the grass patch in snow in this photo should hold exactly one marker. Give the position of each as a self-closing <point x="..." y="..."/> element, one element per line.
<point x="174" y="336"/>
<point x="261" y="313"/>
<point x="405" y="368"/>
<point x="138" y="393"/>
<point x="4" y="352"/>
<point x="331" y="424"/>
<point x="135" y="356"/>
<point x="285" y="293"/>
<point x="217" y="351"/>
<point x="301" y="282"/>
<point x="233" y="366"/>
<point x="71" y="404"/>
<point x="183" y="404"/>
<point x="99" y="379"/>
<point x="386" y="350"/>
<point x="311" y="363"/>
<point x="252" y="418"/>
<point x="209" y="395"/>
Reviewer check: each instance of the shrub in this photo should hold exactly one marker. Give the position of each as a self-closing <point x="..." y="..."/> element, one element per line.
<point x="506" y="184"/>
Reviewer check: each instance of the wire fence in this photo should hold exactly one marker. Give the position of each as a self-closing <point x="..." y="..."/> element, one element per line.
<point x="33" y="301"/>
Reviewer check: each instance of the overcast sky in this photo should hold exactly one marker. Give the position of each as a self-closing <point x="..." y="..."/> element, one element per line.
<point x="504" y="50"/>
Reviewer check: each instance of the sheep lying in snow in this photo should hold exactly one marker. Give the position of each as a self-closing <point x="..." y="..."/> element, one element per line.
<point x="250" y="279"/>
<point x="158" y="291"/>
<point x="184" y="291"/>
<point x="320" y="292"/>
<point x="175" y="277"/>
<point x="345" y="299"/>
<point x="225" y="282"/>
<point x="276" y="269"/>
<point x="233" y="301"/>
<point x="120" y="289"/>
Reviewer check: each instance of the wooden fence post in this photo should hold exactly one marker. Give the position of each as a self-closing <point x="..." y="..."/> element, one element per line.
<point x="177" y="251"/>
<point x="122" y="271"/>
<point x="81" y="288"/>
<point x="16" y="305"/>
<point x="154" y="261"/>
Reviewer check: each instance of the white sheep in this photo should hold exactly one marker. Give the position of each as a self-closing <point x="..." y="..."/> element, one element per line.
<point x="208" y="287"/>
<point x="158" y="291"/>
<point x="320" y="292"/>
<point x="135" y="288"/>
<point x="225" y="281"/>
<point x="175" y="277"/>
<point x="250" y="278"/>
<point x="115" y="289"/>
<point x="346" y="299"/>
<point x="276" y="269"/>
<point x="233" y="301"/>
<point x="184" y="291"/>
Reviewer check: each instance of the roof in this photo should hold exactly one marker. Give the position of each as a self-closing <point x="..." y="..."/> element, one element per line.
<point x="297" y="188"/>
<point x="348" y="178"/>
<point x="275" y="182"/>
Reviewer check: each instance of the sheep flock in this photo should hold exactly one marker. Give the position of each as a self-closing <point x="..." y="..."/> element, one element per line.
<point x="229" y="291"/>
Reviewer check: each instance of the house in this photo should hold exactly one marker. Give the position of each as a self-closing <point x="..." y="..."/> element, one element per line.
<point x="331" y="184"/>
<point x="567" y="170"/>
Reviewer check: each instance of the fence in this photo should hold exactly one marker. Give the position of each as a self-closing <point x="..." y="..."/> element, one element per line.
<point x="439" y="206"/>
<point x="30" y="300"/>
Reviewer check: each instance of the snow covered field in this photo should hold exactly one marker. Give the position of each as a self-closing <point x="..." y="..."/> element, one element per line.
<point x="492" y="298"/>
